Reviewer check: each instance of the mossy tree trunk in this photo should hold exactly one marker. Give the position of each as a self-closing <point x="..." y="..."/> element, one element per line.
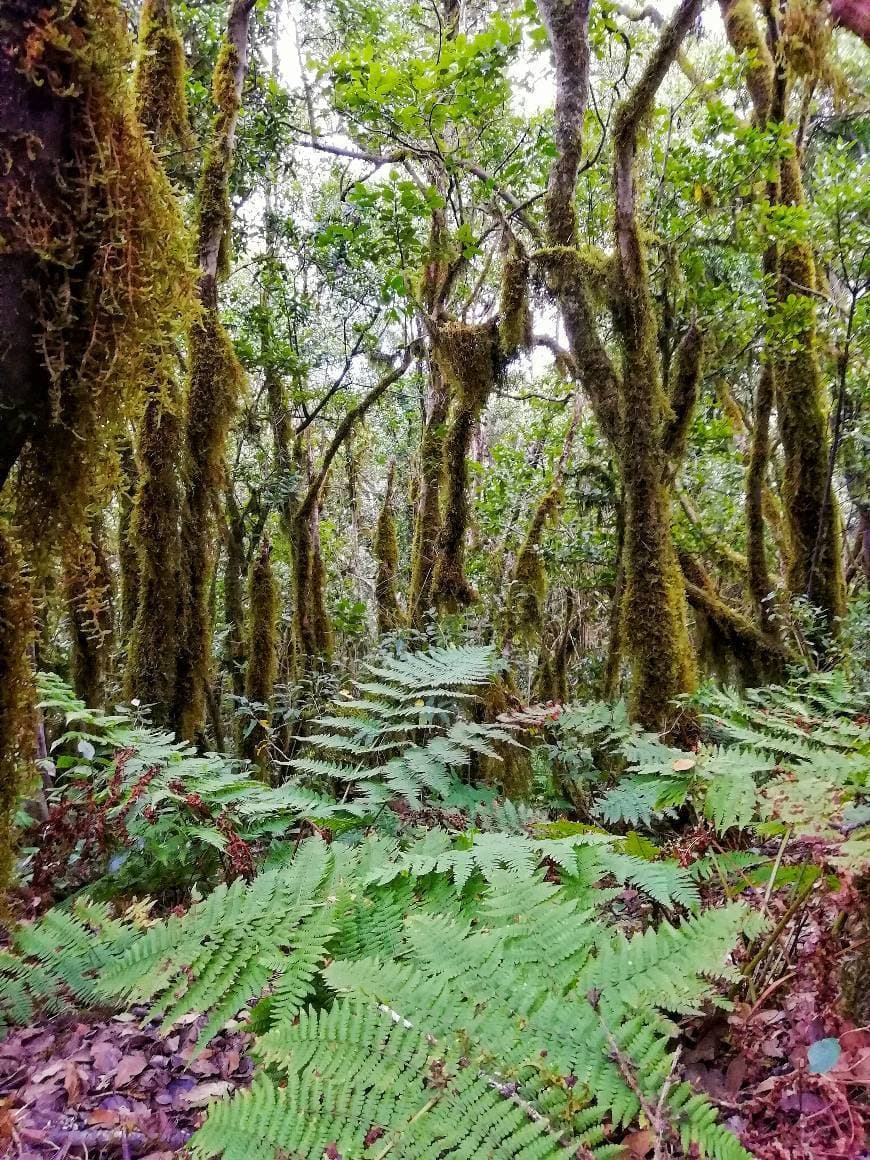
<point x="262" y="647"/>
<point x="17" y="714"/>
<point x="811" y="514"/>
<point x="88" y="584"/>
<point x="385" y="547"/>
<point x="155" y="534"/>
<point x="234" y="602"/>
<point x="216" y="381"/>
<point x="646" y="427"/>
<point x="128" y="556"/>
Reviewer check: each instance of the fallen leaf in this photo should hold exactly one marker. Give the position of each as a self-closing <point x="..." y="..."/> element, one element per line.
<point x="129" y="1067"/>
<point x="204" y="1093"/>
<point x="639" y="1144"/>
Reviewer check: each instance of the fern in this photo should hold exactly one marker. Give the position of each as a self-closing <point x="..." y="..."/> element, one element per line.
<point x="404" y="736"/>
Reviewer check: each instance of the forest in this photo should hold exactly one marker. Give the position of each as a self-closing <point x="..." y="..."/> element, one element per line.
<point x="435" y="579"/>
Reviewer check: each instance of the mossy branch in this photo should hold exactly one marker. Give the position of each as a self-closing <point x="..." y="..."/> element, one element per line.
<point x="684" y="394"/>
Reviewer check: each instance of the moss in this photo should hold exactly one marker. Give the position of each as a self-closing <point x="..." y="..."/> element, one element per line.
<point x="654" y="606"/>
<point x="427" y="523"/>
<point x="515" y="318"/>
<point x="760" y="586"/>
<point x="262" y="668"/>
<point x="161" y="101"/>
<point x="731" y="636"/>
<point x="112" y="272"/>
<point x="385" y="547"/>
<point x="811" y="512"/>
<point x="152" y="655"/>
<point x="528" y="588"/>
<point x="746" y="38"/>
<point x="468" y="356"/>
<point x="321" y="623"/>
<point x="128" y="557"/>
<point x="683" y="394"/>
<point x="216" y="383"/>
<point x="213" y="210"/>
<point x="88" y="584"/>
<point x="235" y="651"/>
<point x="17" y="695"/>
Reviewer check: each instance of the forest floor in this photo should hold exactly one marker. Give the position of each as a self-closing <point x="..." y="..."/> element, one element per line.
<point x="100" y="1084"/>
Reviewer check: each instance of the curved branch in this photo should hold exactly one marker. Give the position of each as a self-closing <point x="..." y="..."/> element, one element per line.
<point x="344" y="428"/>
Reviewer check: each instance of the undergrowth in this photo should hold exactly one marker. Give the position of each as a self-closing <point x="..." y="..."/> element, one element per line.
<point x="429" y="969"/>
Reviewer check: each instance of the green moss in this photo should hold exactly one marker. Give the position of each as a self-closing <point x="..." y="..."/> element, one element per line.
<point x="385" y="547"/>
<point x="760" y="586"/>
<point x="155" y="531"/>
<point x="654" y="606"/>
<point x="515" y="319"/>
<point x="528" y="587"/>
<point x="427" y="523"/>
<point x="213" y="210"/>
<point x="746" y="38"/>
<point x="128" y="557"/>
<point x="811" y="511"/>
<point x="88" y="584"/>
<point x="17" y="696"/>
<point x="262" y="668"/>
<point x="235" y="651"/>
<point x="216" y="384"/>
<point x="734" y="645"/>
<point x="161" y="102"/>
<point x="469" y="358"/>
<point x="113" y="274"/>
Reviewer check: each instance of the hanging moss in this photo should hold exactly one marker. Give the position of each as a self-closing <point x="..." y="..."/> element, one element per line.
<point x="161" y="101"/>
<point x="732" y="638"/>
<point x="17" y="696"/>
<point x="262" y="647"/>
<point x="88" y="583"/>
<point x="468" y="356"/>
<point x="385" y="547"/>
<point x="101" y="239"/>
<point x="214" y="214"/>
<point x="514" y="318"/>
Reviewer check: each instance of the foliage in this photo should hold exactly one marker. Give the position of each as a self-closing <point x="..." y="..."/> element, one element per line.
<point x="590" y="1049"/>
